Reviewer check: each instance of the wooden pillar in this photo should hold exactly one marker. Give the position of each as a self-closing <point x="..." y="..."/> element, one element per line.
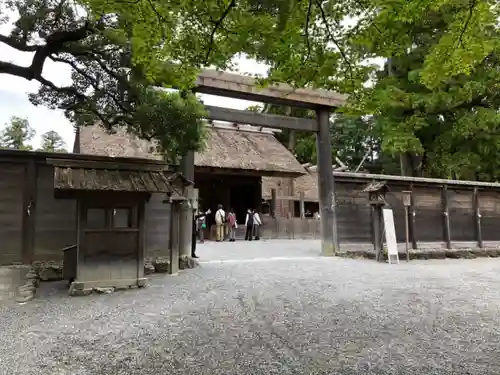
<point x="329" y="237"/>
<point x="82" y="224"/>
<point x="140" y="240"/>
<point x="477" y="219"/>
<point x="377" y="231"/>
<point x="446" y="216"/>
<point x="411" y="219"/>
<point x="29" y="212"/>
<point x="301" y="206"/>
<point x="174" y="237"/>
<point x="186" y="214"/>
<point x="273" y="203"/>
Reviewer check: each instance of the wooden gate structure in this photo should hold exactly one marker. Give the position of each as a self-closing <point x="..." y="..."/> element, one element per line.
<point x="321" y="101"/>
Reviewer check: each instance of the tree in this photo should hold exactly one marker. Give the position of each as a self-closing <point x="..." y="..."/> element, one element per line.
<point x="17" y="134"/>
<point x="447" y="130"/>
<point x="53" y="142"/>
<point x="117" y="49"/>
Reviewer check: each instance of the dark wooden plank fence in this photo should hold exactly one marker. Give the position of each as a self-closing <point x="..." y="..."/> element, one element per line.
<point x="442" y="215"/>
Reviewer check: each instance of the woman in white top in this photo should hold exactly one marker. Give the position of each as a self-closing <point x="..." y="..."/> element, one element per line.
<point x="256" y="224"/>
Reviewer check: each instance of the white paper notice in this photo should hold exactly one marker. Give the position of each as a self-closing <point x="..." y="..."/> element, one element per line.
<point x="390" y="234"/>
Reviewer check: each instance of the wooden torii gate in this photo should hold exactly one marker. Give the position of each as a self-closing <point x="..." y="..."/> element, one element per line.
<point x="243" y="87"/>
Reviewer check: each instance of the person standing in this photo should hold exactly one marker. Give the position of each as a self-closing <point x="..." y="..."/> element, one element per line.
<point x="195" y="232"/>
<point x="220" y="219"/>
<point x="202" y="225"/>
<point x="256" y="224"/>
<point x="232" y="224"/>
<point x="249" y="225"/>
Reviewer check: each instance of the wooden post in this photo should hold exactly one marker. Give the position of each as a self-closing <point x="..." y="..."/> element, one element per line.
<point x="29" y="212"/>
<point x="82" y="224"/>
<point x="301" y="206"/>
<point x="446" y="216"/>
<point x="412" y="213"/>
<point x="377" y="231"/>
<point x="477" y="219"/>
<point x="273" y="203"/>
<point x="186" y="213"/>
<point x="329" y="237"/>
<point x="174" y="237"/>
<point x="407" y="203"/>
<point x="140" y="240"/>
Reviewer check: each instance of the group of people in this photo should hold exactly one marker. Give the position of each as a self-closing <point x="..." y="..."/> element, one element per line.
<point x="226" y="224"/>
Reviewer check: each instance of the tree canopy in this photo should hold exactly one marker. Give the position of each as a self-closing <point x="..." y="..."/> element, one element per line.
<point x="116" y="49"/>
<point x="53" y="142"/>
<point x="17" y="134"/>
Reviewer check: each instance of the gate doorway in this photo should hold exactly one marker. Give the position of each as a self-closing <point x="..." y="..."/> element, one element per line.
<point x="243" y="197"/>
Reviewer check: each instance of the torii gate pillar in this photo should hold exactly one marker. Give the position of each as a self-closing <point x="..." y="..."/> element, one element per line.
<point x="326" y="186"/>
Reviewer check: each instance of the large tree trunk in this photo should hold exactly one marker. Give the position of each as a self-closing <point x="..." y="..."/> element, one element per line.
<point x="411" y="165"/>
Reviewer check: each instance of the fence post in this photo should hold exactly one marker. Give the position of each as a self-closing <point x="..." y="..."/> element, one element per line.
<point x="412" y="213"/>
<point x="301" y="206"/>
<point x="477" y="218"/>
<point x="446" y="216"/>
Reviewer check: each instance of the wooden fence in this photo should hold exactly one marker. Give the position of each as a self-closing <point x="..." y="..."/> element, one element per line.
<point x="443" y="213"/>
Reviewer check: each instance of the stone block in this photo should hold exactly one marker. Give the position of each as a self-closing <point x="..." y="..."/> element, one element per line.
<point x="49" y="271"/>
<point x="104" y="290"/>
<point x="79" y="292"/>
<point x="149" y="268"/>
<point x="186" y="262"/>
<point x="161" y="265"/>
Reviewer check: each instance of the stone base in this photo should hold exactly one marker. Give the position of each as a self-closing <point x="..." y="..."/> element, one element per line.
<point x="49" y="271"/>
<point x="428" y="254"/>
<point x="78" y="288"/>
<point x="27" y="291"/>
<point x="186" y="262"/>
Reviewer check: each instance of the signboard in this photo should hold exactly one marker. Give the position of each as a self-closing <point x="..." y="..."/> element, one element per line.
<point x="390" y="235"/>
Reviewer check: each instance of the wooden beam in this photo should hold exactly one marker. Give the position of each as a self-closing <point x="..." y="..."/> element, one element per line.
<point x="109" y="165"/>
<point x="261" y="119"/>
<point x="446" y="216"/>
<point x="477" y="219"/>
<point x="238" y="86"/>
<point x="245" y="172"/>
<point x="340" y="176"/>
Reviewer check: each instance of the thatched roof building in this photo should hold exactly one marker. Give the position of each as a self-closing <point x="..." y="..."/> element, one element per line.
<point x="227" y="147"/>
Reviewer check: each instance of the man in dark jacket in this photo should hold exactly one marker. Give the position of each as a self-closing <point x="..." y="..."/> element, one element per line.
<point x="195" y="232"/>
<point x="249" y="225"/>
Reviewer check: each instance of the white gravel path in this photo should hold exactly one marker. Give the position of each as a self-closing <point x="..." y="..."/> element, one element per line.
<point x="296" y="314"/>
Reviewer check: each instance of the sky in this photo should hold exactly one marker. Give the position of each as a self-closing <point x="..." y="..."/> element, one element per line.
<point x="14" y="99"/>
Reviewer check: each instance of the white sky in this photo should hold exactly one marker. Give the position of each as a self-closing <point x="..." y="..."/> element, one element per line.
<point x="14" y="100"/>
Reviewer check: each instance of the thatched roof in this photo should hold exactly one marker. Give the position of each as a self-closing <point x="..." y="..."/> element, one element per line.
<point x="242" y="148"/>
<point x="71" y="178"/>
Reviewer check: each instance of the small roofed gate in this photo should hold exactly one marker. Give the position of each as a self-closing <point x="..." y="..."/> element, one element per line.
<point x="110" y="225"/>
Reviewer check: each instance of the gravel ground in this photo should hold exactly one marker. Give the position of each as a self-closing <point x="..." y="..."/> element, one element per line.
<point x="297" y="315"/>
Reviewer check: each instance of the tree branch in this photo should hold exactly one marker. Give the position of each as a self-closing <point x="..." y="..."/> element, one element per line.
<point x="15" y="70"/>
<point x="306" y="30"/>
<point x="15" y="43"/>
<point x="218" y="24"/>
<point x="334" y="40"/>
<point x="472" y="5"/>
